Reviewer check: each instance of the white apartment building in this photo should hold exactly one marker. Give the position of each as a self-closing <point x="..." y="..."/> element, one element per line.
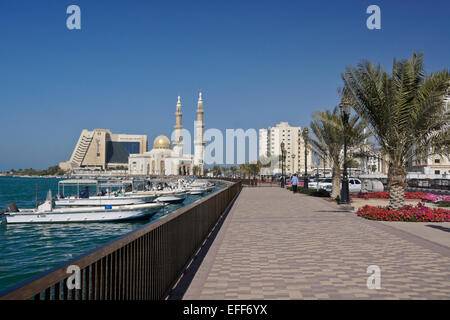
<point x="270" y="140"/>
<point x="263" y="143"/>
<point x="433" y="164"/>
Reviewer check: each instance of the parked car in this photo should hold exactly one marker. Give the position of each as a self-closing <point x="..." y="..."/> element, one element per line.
<point x="312" y="183"/>
<point x="326" y="183"/>
<point x="354" y="185"/>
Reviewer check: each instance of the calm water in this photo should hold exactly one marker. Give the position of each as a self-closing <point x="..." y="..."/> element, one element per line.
<point x="28" y="249"/>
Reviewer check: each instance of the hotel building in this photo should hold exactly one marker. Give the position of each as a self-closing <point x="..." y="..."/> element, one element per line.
<point x="102" y="149"/>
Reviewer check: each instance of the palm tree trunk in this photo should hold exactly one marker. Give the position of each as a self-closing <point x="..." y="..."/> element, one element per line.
<point x="336" y="192"/>
<point x="397" y="183"/>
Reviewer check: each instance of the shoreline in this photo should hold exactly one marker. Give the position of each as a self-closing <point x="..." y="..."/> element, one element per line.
<point x="25" y="176"/>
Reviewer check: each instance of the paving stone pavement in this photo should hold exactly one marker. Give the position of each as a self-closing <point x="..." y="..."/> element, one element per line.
<point x="278" y="245"/>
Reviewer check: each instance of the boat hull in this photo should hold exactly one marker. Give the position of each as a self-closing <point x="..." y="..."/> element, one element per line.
<point x="197" y="191"/>
<point x="102" y="201"/>
<point x="173" y="198"/>
<point x="117" y="213"/>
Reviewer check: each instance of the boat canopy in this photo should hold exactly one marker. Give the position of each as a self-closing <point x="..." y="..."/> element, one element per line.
<point x="75" y="182"/>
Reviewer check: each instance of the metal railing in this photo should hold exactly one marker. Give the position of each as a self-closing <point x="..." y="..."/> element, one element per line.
<point x="253" y="182"/>
<point x="143" y="264"/>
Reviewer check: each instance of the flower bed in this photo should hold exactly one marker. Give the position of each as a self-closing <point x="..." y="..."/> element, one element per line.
<point x="371" y="195"/>
<point x="436" y="198"/>
<point x="408" y="195"/>
<point x="419" y="213"/>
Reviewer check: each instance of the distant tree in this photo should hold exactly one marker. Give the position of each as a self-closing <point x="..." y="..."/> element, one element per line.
<point x="352" y="163"/>
<point x="234" y="170"/>
<point x="196" y="170"/>
<point x="217" y="170"/>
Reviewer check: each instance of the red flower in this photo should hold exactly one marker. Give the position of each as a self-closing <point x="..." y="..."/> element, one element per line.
<point x="408" y="213"/>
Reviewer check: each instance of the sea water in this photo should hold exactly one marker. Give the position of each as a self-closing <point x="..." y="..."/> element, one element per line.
<point x="28" y="249"/>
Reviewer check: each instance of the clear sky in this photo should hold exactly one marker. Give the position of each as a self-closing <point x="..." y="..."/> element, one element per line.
<point x="257" y="63"/>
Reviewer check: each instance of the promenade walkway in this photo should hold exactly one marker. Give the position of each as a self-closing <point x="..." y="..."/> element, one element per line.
<point x="277" y="245"/>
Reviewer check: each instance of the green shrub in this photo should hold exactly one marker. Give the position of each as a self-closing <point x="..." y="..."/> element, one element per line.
<point x="320" y="193"/>
<point x="311" y="192"/>
<point x="443" y="205"/>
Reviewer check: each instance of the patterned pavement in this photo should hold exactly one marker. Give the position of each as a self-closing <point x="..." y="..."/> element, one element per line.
<point x="278" y="245"/>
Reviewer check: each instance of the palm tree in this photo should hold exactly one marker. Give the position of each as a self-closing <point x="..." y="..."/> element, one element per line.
<point x="329" y="131"/>
<point x="254" y="169"/>
<point x="217" y="170"/>
<point x="234" y="170"/>
<point x="405" y="111"/>
<point x="244" y="170"/>
<point x="196" y="170"/>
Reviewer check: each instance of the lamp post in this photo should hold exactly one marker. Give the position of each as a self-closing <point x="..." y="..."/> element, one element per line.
<point x="305" y="139"/>
<point x="283" y="159"/>
<point x="345" y="114"/>
<point x="293" y="167"/>
<point x="324" y="165"/>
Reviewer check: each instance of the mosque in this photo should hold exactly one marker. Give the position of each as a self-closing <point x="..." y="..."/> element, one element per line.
<point x="163" y="160"/>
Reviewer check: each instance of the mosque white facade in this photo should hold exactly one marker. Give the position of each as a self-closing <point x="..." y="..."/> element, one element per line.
<point x="162" y="160"/>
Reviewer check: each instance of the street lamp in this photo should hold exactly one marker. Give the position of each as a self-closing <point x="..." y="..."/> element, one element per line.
<point x="283" y="159"/>
<point x="305" y="139"/>
<point x="293" y="167"/>
<point x="345" y="114"/>
<point x="324" y="165"/>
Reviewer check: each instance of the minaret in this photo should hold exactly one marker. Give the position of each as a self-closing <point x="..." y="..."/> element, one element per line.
<point x="178" y="142"/>
<point x="199" y="144"/>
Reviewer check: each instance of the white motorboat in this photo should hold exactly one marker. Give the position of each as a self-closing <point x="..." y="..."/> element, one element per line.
<point x="167" y="192"/>
<point x="46" y="213"/>
<point x="101" y="198"/>
<point x="198" y="190"/>
<point x="99" y="201"/>
<point x="172" y="196"/>
<point x="200" y="186"/>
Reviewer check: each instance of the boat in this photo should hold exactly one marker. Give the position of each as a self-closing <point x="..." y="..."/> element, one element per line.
<point x="166" y="192"/>
<point x="199" y="187"/>
<point x="175" y="196"/>
<point x="47" y="213"/>
<point x="197" y="190"/>
<point x="101" y="197"/>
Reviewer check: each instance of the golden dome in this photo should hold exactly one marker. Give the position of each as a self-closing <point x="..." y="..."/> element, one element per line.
<point x="161" y="142"/>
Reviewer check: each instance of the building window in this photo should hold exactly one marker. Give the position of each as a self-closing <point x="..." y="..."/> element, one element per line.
<point x="437" y="171"/>
<point x="437" y="160"/>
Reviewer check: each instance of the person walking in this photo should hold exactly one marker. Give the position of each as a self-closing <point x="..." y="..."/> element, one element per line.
<point x="294" y="182"/>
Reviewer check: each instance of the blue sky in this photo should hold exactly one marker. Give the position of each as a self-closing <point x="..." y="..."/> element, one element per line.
<point x="257" y="63"/>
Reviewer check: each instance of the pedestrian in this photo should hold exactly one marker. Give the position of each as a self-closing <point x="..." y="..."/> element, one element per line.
<point x="294" y="182"/>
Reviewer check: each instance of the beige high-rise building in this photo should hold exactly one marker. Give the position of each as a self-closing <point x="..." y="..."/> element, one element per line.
<point x="270" y="140"/>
